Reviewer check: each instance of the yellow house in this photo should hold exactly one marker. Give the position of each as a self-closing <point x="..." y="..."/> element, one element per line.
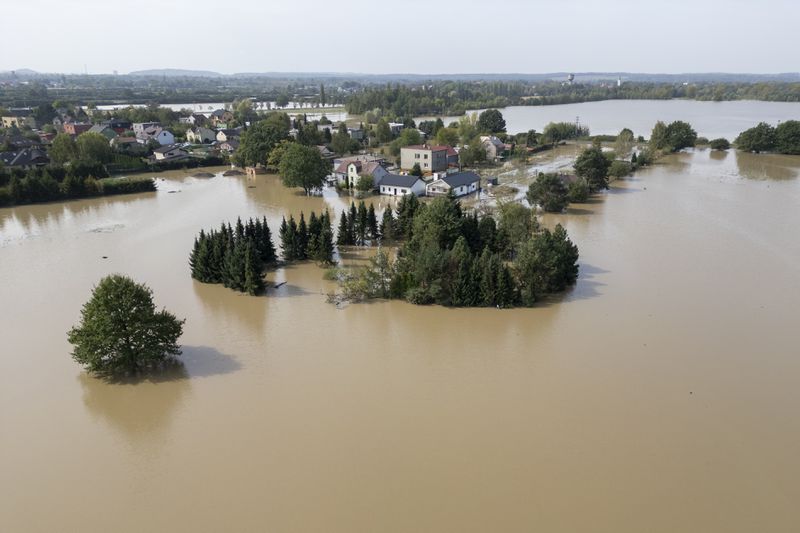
<point x="19" y="120"/>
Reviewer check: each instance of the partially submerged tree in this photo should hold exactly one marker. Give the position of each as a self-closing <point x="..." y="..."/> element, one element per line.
<point x="120" y="330"/>
<point x="548" y="192"/>
<point x="303" y="166"/>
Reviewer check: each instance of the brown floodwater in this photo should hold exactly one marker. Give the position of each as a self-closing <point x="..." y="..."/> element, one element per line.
<point x="659" y="394"/>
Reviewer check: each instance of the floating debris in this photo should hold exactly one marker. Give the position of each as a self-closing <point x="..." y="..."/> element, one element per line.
<point x="233" y="172"/>
<point x="203" y="175"/>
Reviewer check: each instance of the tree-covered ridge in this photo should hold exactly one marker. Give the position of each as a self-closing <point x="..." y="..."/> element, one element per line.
<point x="451" y="258"/>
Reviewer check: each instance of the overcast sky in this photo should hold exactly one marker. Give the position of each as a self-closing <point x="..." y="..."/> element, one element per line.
<point x="404" y="36"/>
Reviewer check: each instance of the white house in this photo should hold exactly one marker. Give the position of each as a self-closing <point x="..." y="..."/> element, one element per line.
<point x="493" y="146"/>
<point x="348" y="172"/>
<point x="169" y="153"/>
<point x="460" y="183"/>
<point x="141" y="127"/>
<point x="225" y="134"/>
<point x="401" y="185"/>
<point x="200" y="135"/>
<point x="156" y="133"/>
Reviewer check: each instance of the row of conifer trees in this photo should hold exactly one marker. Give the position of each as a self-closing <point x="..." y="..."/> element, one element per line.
<point x="313" y="240"/>
<point x="234" y="256"/>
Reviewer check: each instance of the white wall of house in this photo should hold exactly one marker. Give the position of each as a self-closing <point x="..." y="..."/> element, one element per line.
<point x="418" y="189"/>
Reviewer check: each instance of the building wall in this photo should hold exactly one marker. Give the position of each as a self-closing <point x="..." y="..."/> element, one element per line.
<point x="418" y="189"/>
<point x="428" y="160"/>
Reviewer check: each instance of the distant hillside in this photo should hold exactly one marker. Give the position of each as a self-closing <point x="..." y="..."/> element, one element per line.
<point x="177" y="72"/>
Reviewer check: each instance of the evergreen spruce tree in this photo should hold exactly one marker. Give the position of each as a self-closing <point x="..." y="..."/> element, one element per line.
<point x="352" y="217"/>
<point x="342" y="232"/>
<point x="239" y="229"/>
<point x="314" y="234"/>
<point x="324" y="253"/>
<point x="193" y="255"/>
<point x="487" y="289"/>
<point x="505" y="288"/>
<point x="372" y="224"/>
<point x="266" y="248"/>
<point x="253" y="283"/>
<point x="361" y="224"/>
<point x="292" y="244"/>
<point x="301" y="240"/>
<point x="387" y="226"/>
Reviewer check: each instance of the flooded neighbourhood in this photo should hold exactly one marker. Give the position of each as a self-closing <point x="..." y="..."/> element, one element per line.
<point x="659" y="393"/>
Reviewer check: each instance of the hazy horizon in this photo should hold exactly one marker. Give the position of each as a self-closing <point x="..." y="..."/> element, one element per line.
<point x="415" y="37"/>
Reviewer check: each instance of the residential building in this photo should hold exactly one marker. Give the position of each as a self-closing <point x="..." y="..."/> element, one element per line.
<point x="459" y="183"/>
<point x="18" y="118"/>
<point x="396" y="127"/>
<point x="430" y="158"/>
<point x="325" y="152"/>
<point x="157" y="134"/>
<point x="194" y="119"/>
<point x="169" y="153"/>
<point x="140" y="127"/>
<point x="229" y="146"/>
<point x="200" y="135"/>
<point x="104" y="130"/>
<point x="76" y="128"/>
<point x="494" y="147"/>
<point x="220" y="116"/>
<point x="224" y="135"/>
<point x="401" y="185"/>
<point x="118" y="125"/>
<point x="349" y="171"/>
<point x="357" y="134"/>
<point x="25" y="159"/>
<point x="128" y="145"/>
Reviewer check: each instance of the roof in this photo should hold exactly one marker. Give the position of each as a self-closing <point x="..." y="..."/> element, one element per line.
<point x="494" y="140"/>
<point x="98" y="128"/>
<point x="24" y="158"/>
<point x="370" y="167"/>
<point x="167" y="148"/>
<point x="342" y="168"/>
<point x="426" y="147"/>
<point x="399" y="180"/>
<point x="459" y="179"/>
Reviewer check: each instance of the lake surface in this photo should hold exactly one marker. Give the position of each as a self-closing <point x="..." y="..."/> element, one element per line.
<point x="709" y="119"/>
<point x="659" y="394"/>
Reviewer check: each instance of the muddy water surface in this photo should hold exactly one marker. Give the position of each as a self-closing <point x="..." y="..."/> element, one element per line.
<point x="660" y="394"/>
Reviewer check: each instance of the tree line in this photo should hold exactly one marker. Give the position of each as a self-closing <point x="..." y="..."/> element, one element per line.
<point x="54" y="183"/>
<point x="783" y="138"/>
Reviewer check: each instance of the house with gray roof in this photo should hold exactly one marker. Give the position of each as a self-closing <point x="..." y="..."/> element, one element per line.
<point x="401" y="185"/>
<point x="459" y="183"/>
<point x="25" y="159"/>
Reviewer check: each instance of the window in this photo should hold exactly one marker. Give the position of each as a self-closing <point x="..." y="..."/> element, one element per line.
<point x="426" y="156"/>
<point x="416" y="156"/>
